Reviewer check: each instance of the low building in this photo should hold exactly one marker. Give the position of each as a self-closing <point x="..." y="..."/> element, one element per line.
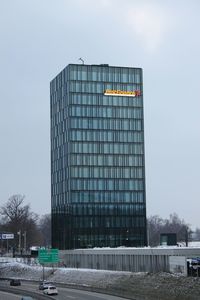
<point x="168" y="259"/>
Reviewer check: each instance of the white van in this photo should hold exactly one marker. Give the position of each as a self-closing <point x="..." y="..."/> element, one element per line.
<point x="50" y="290"/>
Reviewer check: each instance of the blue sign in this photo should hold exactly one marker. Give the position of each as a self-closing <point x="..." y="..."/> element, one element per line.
<point x="6" y="236"/>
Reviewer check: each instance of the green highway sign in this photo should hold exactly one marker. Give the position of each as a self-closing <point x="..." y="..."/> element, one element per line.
<point x="48" y="256"/>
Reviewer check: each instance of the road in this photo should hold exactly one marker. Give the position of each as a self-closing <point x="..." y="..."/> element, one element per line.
<point x="72" y="294"/>
<point x="8" y="296"/>
<point x="63" y="293"/>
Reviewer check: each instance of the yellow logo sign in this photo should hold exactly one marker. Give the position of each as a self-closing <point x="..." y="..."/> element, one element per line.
<point x="135" y="93"/>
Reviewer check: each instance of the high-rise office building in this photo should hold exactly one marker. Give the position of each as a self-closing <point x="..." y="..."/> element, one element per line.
<point x="97" y="157"/>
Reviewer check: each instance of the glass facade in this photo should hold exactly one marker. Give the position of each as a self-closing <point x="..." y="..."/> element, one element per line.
<point x="97" y="157"/>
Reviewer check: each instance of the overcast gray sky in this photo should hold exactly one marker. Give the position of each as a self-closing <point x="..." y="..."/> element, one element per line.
<point x="39" y="38"/>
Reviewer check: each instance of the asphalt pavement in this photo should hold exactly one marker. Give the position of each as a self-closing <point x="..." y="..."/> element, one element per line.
<point x="31" y="289"/>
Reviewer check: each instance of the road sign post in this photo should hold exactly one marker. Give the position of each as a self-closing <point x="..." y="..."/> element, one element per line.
<point x="6" y="237"/>
<point x="48" y="256"/>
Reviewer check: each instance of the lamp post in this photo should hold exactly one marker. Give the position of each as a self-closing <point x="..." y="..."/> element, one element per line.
<point x="24" y="235"/>
<point x="19" y="245"/>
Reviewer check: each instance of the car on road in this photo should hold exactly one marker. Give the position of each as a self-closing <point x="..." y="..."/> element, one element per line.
<point x="15" y="282"/>
<point x="26" y="298"/>
<point x="44" y="284"/>
<point x="50" y="290"/>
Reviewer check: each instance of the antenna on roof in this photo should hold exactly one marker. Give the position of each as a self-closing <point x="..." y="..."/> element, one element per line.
<point x="81" y="60"/>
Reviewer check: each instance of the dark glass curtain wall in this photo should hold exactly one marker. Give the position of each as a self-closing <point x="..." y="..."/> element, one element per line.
<point x="97" y="157"/>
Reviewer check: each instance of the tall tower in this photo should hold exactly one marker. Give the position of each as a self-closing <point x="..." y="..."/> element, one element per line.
<point x="97" y="157"/>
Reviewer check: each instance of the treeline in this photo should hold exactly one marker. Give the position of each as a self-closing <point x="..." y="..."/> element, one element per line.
<point x="28" y="228"/>
<point x="157" y="225"/>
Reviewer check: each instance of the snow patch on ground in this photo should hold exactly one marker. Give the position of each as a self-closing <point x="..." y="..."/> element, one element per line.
<point x="86" y="277"/>
<point x="162" y="286"/>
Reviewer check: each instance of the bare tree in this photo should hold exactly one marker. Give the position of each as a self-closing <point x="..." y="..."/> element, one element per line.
<point x="197" y="234"/>
<point x="178" y="226"/>
<point x="154" y="225"/>
<point x="18" y="219"/>
<point x="13" y="211"/>
<point x="157" y="225"/>
<point x="45" y="229"/>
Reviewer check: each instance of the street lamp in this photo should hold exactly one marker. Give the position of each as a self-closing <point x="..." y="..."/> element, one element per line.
<point x="24" y="235"/>
<point x="19" y="245"/>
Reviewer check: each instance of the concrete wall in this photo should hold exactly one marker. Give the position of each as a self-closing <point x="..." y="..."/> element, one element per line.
<point x="178" y="264"/>
<point x="129" y="259"/>
<point x="118" y="262"/>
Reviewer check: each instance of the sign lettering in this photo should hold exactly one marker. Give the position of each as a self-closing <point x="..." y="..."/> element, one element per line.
<point x="135" y="93"/>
